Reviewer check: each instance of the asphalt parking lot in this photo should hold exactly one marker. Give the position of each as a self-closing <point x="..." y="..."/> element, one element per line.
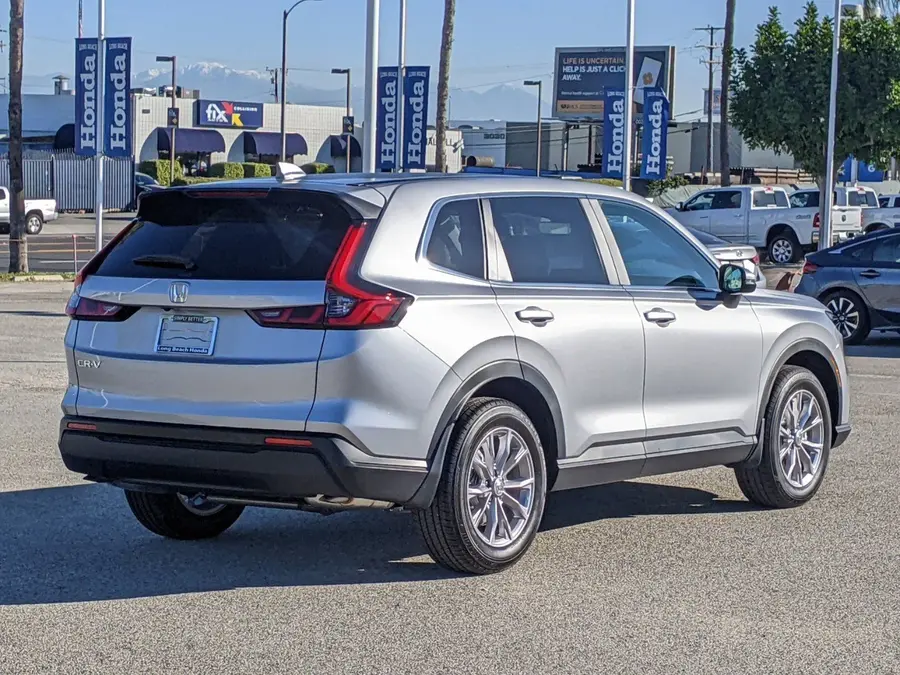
<point x="671" y="575"/>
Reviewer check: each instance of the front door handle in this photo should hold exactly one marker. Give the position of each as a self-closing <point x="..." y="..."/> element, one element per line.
<point x="534" y="315"/>
<point x="870" y="274"/>
<point x="660" y="316"/>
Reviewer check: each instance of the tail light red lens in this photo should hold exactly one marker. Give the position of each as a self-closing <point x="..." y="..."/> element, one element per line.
<point x="350" y="302"/>
<point x="817" y="221"/>
<point x="80" y="308"/>
<point x="809" y="267"/>
<point x="755" y="260"/>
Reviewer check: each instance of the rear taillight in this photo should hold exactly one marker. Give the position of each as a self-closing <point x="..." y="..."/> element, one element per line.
<point x="817" y="221"/>
<point x="350" y="302"/>
<point x="85" y="309"/>
<point x="809" y="267"/>
<point x="755" y="259"/>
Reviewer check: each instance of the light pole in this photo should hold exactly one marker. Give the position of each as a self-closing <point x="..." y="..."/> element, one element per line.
<point x="345" y="71"/>
<point x="287" y="13"/>
<point x="629" y="96"/>
<point x="401" y="69"/>
<point x="539" y="85"/>
<point x="828" y="197"/>
<point x="101" y="149"/>
<point x="371" y="109"/>
<point x="173" y="61"/>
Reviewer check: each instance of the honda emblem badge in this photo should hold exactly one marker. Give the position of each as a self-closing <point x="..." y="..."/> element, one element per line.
<point x="178" y="292"/>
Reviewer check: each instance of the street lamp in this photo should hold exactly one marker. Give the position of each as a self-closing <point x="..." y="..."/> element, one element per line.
<point x="629" y="96"/>
<point x="828" y="198"/>
<point x="287" y="13"/>
<point x="539" y="85"/>
<point x="345" y="71"/>
<point x="173" y="61"/>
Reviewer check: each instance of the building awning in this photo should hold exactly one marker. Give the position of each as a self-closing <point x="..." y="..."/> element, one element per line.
<point x="339" y="146"/>
<point x="269" y="143"/>
<point x="190" y="140"/>
<point x="65" y="138"/>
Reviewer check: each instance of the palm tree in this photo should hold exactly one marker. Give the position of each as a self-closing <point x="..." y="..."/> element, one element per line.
<point x="443" y="89"/>
<point x="727" y="58"/>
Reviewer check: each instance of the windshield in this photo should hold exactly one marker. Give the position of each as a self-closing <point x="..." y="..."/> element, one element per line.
<point x="864" y="198"/>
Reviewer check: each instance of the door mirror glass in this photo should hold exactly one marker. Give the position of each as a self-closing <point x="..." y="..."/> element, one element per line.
<point x="680" y="206"/>
<point x="734" y="279"/>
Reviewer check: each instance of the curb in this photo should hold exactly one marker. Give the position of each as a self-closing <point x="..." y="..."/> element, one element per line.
<point x="39" y="278"/>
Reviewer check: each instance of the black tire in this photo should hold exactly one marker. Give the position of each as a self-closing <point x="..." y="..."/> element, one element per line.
<point x="167" y="516"/>
<point x="783" y="247"/>
<point x="34" y="223"/>
<point x="877" y="227"/>
<point x="450" y="536"/>
<point x="841" y="306"/>
<point x="767" y="484"/>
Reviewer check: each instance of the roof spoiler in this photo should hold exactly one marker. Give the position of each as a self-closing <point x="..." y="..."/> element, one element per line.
<point x="287" y="171"/>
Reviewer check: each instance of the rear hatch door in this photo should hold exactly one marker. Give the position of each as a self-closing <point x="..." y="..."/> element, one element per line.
<point x="190" y="287"/>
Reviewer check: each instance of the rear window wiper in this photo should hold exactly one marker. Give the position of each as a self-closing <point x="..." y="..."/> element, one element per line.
<point x="165" y="260"/>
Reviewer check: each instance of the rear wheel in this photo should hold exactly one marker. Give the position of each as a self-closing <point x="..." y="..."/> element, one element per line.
<point x="491" y="498"/>
<point x="178" y="516"/>
<point x="796" y="443"/>
<point x="783" y="247"/>
<point x="848" y="313"/>
<point x="34" y="223"/>
<point x="877" y="227"/>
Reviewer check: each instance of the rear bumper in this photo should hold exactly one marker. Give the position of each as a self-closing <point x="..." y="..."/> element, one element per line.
<point x="231" y="462"/>
<point x="836" y="237"/>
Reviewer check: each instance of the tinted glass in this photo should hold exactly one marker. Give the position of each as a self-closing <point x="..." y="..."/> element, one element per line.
<point x="730" y="199"/>
<point x="763" y="199"/>
<point x="457" y="240"/>
<point x="887" y="250"/>
<point x="884" y="202"/>
<point x="802" y="200"/>
<point x="865" y="198"/>
<point x="655" y="253"/>
<point x="280" y="235"/>
<point x="701" y="202"/>
<point x="547" y="240"/>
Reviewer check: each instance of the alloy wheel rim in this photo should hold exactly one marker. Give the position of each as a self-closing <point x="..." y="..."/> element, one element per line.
<point x="782" y="250"/>
<point x="801" y="438"/>
<point x="843" y="313"/>
<point x="32" y="225"/>
<point x="500" y="490"/>
<point x="199" y="505"/>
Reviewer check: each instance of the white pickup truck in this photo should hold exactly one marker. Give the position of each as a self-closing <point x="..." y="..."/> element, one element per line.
<point x="37" y="212"/>
<point x="878" y="213"/>
<point x="762" y="217"/>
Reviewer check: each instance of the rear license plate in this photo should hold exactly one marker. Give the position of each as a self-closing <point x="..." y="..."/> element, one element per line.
<point x="181" y="334"/>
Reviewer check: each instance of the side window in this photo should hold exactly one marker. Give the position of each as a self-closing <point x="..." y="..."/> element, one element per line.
<point x="726" y="199"/>
<point x="887" y="251"/>
<point x="655" y="253"/>
<point x="547" y="240"/>
<point x="763" y="199"/>
<point x="803" y="200"/>
<point x="884" y="202"/>
<point x="2" y="195"/>
<point x="861" y="253"/>
<point x="702" y="202"/>
<point x="457" y="240"/>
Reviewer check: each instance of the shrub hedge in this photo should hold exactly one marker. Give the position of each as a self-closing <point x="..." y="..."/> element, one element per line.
<point x="226" y="170"/>
<point x="159" y="169"/>
<point x="194" y="180"/>
<point x="317" y="167"/>
<point x="257" y="170"/>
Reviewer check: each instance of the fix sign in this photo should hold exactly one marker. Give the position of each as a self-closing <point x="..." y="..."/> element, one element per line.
<point x="229" y="114"/>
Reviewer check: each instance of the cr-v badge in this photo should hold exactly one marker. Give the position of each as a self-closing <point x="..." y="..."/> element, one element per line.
<point x="87" y="363"/>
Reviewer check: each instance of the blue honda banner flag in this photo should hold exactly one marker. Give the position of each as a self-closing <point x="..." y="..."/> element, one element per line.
<point x="386" y="121"/>
<point x="415" y="117"/>
<point x="117" y="98"/>
<point x="656" y="132"/>
<point x="86" y="66"/>
<point x="613" y="134"/>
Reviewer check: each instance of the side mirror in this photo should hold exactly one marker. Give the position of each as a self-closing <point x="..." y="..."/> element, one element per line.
<point x="680" y="206"/>
<point x="733" y="279"/>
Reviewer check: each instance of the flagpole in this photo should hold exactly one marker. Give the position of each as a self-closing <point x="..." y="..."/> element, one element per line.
<point x="101" y="76"/>
<point x="629" y="96"/>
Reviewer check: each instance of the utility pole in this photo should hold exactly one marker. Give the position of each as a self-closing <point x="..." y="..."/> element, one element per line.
<point x="273" y="80"/>
<point x="18" y="246"/>
<point x="712" y="63"/>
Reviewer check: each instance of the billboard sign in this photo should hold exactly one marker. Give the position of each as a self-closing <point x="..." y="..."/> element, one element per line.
<point x="229" y="114"/>
<point x="613" y="134"/>
<point x="86" y="67"/>
<point x="117" y="98"/>
<point x="583" y="74"/>
<point x="656" y="133"/>
<point x="415" y="116"/>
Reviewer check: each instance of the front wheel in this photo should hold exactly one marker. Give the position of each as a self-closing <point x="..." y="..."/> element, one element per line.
<point x="34" y="223"/>
<point x="784" y="248"/>
<point x="491" y="497"/>
<point x="796" y="443"/>
<point x="178" y="516"/>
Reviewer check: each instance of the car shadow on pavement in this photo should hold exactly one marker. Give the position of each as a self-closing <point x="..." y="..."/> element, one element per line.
<point x="877" y="347"/>
<point x="80" y="543"/>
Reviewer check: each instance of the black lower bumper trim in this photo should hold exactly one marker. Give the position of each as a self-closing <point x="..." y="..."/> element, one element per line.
<point x="841" y="432"/>
<point x="226" y="462"/>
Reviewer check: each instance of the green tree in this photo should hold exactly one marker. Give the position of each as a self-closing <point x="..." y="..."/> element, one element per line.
<point x="781" y="89"/>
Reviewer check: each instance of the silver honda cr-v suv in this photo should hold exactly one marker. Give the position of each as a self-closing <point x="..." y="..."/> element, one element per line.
<point x="455" y="346"/>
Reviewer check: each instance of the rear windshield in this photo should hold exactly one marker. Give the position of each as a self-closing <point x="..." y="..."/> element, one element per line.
<point x="763" y="199"/>
<point x="277" y="235"/>
<point x="706" y="238"/>
<point x="865" y="198"/>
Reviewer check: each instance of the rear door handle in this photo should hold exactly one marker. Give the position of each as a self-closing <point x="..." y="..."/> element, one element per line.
<point x="534" y="315"/>
<point x="660" y="316"/>
<point x="870" y="274"/>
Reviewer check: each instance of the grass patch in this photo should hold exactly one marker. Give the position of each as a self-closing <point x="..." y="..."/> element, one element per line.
<point x="37" y="276"/>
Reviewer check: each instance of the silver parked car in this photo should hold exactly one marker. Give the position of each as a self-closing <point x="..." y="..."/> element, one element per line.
<point x="739" y="254"/>
<point x="455" y="346"/>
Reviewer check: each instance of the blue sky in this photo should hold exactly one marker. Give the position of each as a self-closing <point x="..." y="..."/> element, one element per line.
<point x="497" y="41"/>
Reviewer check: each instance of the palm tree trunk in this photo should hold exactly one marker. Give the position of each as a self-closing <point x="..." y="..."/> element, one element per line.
<point x="727" y="59"/>
<point x="18" y="246"/>
<point x="443" y="88"/>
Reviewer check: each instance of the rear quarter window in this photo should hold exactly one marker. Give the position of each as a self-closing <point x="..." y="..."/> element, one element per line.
<point x="273" y="235"/>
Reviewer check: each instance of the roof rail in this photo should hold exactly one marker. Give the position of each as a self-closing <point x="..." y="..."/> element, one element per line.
<point x="287" y="171"/>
